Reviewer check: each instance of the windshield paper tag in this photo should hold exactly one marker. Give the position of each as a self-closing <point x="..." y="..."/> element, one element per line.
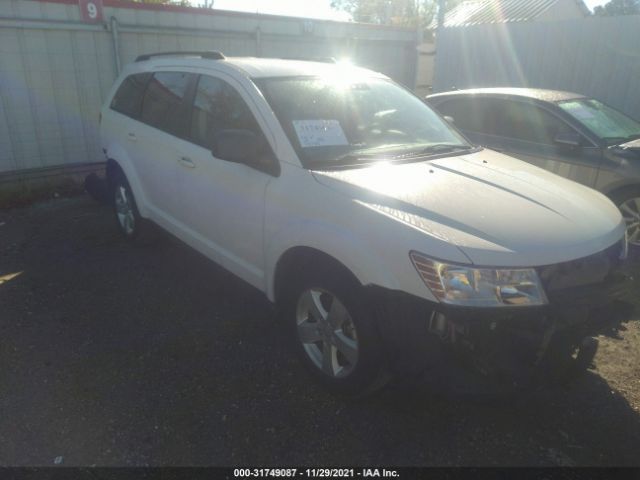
<point x="319" y="133"/>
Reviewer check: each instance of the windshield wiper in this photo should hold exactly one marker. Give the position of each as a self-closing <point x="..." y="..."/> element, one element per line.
<point x="346" y="160"/>
<point x="445" y="147"/>
<point x="368" y="156"/>
<point x="438" y="148"/>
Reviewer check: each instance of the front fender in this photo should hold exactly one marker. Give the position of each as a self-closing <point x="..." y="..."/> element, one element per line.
<point x="343" y="246"/>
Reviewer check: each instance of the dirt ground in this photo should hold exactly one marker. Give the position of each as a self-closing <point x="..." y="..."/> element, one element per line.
<point x="113" y="354"/>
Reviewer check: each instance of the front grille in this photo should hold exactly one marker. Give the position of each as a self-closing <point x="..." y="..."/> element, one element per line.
<point x="591" y="270"/>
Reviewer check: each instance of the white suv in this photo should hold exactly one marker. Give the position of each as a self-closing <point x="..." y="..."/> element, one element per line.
<point x="389" y="241"/>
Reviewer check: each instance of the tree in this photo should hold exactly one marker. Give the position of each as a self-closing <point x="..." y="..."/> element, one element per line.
<point x="183" y="3"/>
<point x="408" y="13"/>
<point x="618" y="7"/>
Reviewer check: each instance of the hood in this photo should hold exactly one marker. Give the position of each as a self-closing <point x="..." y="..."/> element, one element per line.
<point x="497" y="210"/>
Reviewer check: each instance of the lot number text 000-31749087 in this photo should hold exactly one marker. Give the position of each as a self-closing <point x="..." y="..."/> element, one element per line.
<point x="316" y="472"/>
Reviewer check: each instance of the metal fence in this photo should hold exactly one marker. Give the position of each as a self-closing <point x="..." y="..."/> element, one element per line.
<point x="598" y="57"/>
<point x="55" y="70"/>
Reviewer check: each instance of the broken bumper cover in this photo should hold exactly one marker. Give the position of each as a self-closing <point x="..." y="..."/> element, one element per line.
<point x="507" y="347"/>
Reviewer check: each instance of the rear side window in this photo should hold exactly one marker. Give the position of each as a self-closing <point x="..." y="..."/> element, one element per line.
<point x="128" y="98"/>
<point x="218" y="106"/>
<point x="165" y="104"/>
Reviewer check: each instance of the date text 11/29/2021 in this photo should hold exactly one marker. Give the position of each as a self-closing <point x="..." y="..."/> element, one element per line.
<point x="316" y="472"/>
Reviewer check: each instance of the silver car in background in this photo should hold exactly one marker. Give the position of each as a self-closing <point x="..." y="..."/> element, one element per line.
<point x="566" y="133"/>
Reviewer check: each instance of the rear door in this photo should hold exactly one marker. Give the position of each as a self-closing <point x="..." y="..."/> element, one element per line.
<point x="526" y="131"/>
<point x="160" y="140"/>
<point x="122" y="118"/>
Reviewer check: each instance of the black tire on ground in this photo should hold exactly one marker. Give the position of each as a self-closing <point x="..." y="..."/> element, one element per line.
<point x="96" y="187"/>
<point x="369" y="372"/>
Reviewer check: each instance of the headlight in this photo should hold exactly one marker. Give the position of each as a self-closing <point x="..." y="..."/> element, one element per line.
<point x="480" y="287"/>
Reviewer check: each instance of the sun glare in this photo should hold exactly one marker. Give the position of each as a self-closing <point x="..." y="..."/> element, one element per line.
<point x="343" y="76"/>
<point x="10" y="276"/>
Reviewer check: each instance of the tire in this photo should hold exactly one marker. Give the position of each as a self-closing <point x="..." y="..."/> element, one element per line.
<point x="125" y="210"/>
<point x="628" y="201"/>
<point x="333" y="331"/>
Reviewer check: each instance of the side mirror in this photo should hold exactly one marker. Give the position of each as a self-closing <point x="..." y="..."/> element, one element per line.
<point x="568" y="139"/>
<point x="238" y="146"/>
<point x="449" y="119"/>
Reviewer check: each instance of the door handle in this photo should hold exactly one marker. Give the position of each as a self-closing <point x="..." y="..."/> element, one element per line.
<point x="186" y="162"/>
<point x="132" y="137"/>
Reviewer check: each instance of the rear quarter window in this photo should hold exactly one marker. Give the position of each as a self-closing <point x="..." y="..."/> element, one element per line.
<point x="128" y="98"/>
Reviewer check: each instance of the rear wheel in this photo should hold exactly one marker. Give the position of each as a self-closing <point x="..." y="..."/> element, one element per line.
<point x="334" y="332"/>
<point x="125" y="215"/>
<point x="130" y="224"/>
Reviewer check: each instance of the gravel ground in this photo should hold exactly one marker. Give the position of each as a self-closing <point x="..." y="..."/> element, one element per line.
<point x="114" y="354"/>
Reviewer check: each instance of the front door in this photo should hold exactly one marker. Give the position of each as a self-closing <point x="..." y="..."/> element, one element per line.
<point x="526" y="131"/>
<point x="224" y="202"/>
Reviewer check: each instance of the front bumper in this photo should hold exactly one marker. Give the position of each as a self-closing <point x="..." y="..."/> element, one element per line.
<point x="507" y="347"/>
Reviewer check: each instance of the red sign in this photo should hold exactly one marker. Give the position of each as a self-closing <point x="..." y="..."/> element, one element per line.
<point x="91" y="10"/>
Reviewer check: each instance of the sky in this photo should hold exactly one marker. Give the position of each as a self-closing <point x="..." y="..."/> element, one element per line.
<point x="302" y="8"/>
<point x="594" y="3"/>
<point x="296" y="8"/>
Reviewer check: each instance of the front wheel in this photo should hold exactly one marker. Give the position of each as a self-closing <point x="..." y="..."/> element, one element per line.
<point x="334" y="333"/>
<point x="628" y="201"/>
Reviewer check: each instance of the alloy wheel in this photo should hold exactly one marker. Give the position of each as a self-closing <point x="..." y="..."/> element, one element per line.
<point x="327" y="332"/>
<point x="630" y="210"/>
<point x="124" y="210"/>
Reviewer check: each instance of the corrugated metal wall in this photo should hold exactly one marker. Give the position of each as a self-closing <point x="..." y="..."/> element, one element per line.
<point x="597" y="57"/>
<point x="55" y="70"/>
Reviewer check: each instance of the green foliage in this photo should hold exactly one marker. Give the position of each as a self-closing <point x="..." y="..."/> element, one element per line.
<point x="183" y="3"/>
<point x="407" y="13"/>
<point x="618" y="7"/>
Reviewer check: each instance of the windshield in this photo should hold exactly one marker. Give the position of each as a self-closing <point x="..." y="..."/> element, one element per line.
<point x="607" y="123"/>
<point x="333" y="122"/>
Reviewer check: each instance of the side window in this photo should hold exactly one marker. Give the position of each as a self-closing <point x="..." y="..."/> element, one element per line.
<point x="165" y="104"/>
<point x="218" y="106"/>
<point x="128" y="98"/>
<point x="470" y="114"/>
<point x="527" y="122"/>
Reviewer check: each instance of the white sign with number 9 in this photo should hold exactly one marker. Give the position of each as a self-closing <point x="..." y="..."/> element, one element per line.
<point x="92" y="10"/>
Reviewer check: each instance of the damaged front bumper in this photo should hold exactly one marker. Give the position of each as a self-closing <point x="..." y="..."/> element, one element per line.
<point x="502" y="348"/>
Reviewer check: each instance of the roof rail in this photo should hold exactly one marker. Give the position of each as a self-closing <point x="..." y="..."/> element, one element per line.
<point x="313" y="59"/>
<point x="211" y="55"/>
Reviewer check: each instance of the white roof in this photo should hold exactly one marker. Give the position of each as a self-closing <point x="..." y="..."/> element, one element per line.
<point x="277" y="67"/>
<point x="260" y="67"/>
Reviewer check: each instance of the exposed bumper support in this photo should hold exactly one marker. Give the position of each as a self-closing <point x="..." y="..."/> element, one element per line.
<point x="505" y="348"/>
